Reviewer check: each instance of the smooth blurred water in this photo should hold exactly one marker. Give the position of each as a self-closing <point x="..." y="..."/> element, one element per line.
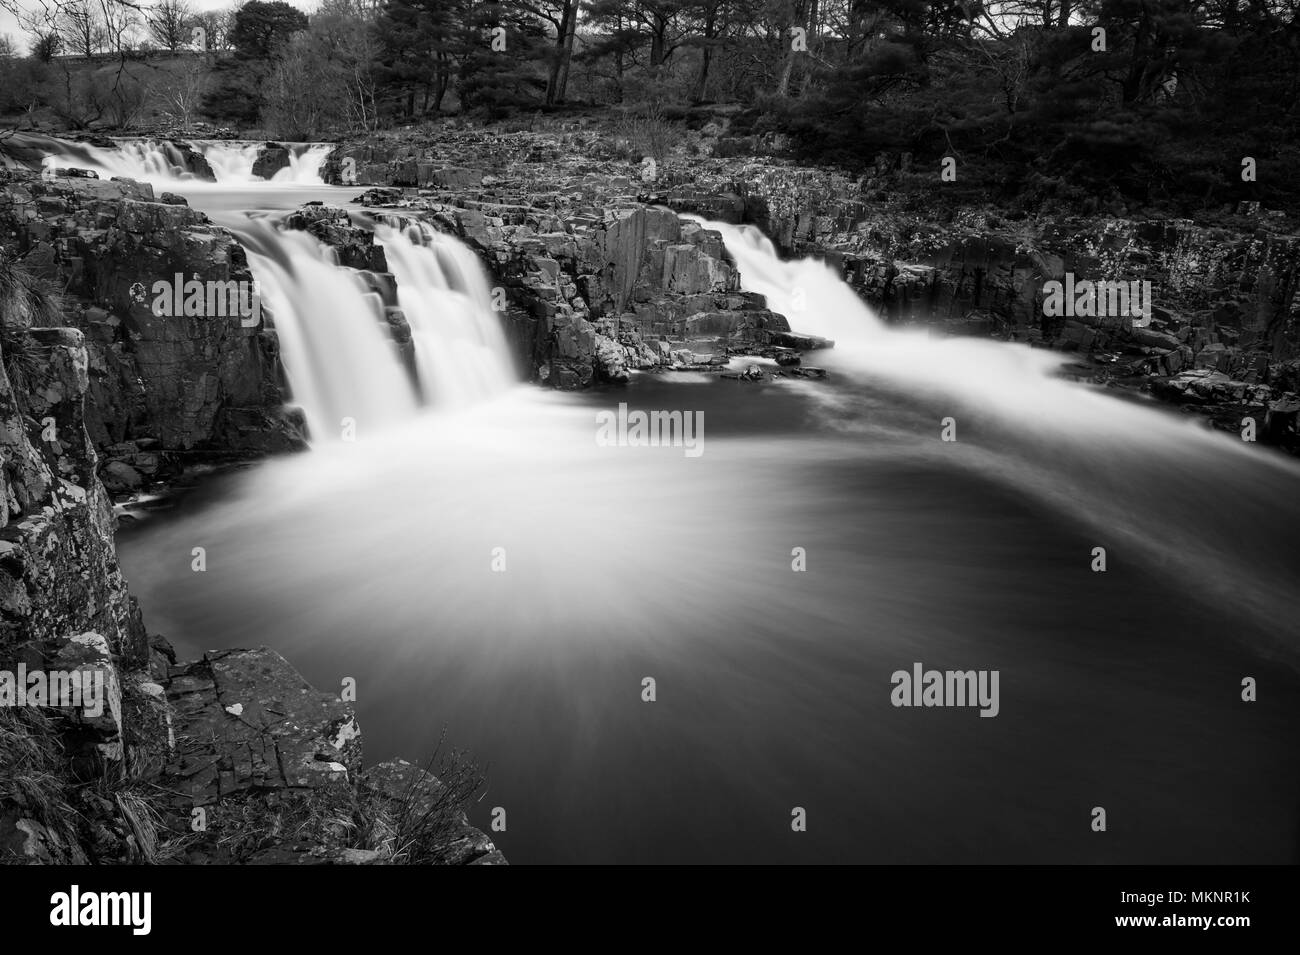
<point x="374" y="560"/>
<point x="160" y="162"/>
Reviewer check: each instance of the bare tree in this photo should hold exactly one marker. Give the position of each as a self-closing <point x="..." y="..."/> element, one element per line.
<point x="85" y="28"/>
<point x="188" y="82"/>
<point x="216" y="26"/>
<point x="120" y="21"/>
<point x="346" y="50"/>
<point x="169" y="23"/>
<point x="45" y="44"/>
<point x="79" y="26"/>
<point x="301" y="94"/>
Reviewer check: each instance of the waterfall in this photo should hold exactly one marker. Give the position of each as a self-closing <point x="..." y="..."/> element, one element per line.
<point x="1075" y="447"/>
<point x="1022" y="384"/>
<point x="338" y="350"/>
<point x="162" y="163"/>
<point x="232" y="162"/>
<point x="460" y="349"/>
<point x="807" y="292"/>
<point x="339" y="353"/>
<point x="339" y="357"/>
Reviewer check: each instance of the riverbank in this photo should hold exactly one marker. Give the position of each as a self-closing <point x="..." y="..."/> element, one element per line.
<point x="1222" y="338"/>
<point x="601" y="280"/>
<point x="233" y="757"/>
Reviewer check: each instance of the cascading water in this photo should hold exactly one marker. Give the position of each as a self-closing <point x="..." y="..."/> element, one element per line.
<point x="340" y="360"/>
<point x="460" y="348"/>
<point x="232" y="163"/>
<point x="378" y="559"/>
<point x="339" y="354"/>
<point x="161" y="162"/>
<point x="134" y="159"/>
<point x="1075" y="446"/>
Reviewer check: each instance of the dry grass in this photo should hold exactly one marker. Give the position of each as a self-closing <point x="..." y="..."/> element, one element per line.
<point x="646" y="131"/>
<point x="414" y="827"/>
<point x="31" y="777"/>
<point x="423" y="820"/>
<point x="26" y="300"/>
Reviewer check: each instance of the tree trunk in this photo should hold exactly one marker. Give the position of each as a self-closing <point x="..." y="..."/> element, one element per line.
<point x="557" y="56"/>
<point x="568" y="55"/>
<point x="783" y="84"/>
<point x="658" y="40"/>
<point x="706" y="54"/>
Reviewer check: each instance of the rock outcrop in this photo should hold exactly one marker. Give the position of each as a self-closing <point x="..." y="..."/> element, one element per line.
<point x="598" y="278"/>
<point x="109" y="751"/>
<point x="1224" y="337"/>
<point x="271" y="158"/>
<point x="163" y="389"/>
<point x="257" y="748"/>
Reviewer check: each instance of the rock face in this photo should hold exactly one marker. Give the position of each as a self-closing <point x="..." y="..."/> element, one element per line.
<point x="356" y="247"/>
<point x="597" y="279"/>
<point x="64" y="605"/>
<point x="271" y="158"/>
<point x="159" y="386"/>
<point x="1223" y="335"/>
<point x="1224" y="330"/>
<point x="255" y="745"/>
<point x="238" y="735"/>
<point x="58" y="566"/>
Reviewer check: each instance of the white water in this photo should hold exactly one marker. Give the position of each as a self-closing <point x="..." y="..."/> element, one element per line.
<point x="161" y="163"/>
<point x="340" y="358"/>
<point x="1073" y="446"/>
<point x="232" y="163"/>
<point x="338" y="355"/>
<point x="461" y="350"/>
<point x="376" y="560"/>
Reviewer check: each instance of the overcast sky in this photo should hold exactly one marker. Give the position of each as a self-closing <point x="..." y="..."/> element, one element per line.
<point x="9" y="26"/>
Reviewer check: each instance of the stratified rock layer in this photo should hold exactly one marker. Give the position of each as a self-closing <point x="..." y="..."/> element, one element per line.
<point x="159" y="385"/>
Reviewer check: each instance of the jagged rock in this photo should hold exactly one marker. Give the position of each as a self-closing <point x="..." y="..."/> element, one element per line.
<point x="58" y="568"/>
<point x="88" y="655"/>
<point x="356" y="247"/>
<point x="799" y="341"/>
<point x="191" y="383"/>
<point x="420" y="791"/>
<point x="611" y="361"/>
<point x="271" y="158"/>
<point x="284" y="735"/>
<point x="25" y="839"/>
<point x="118" y="476"/>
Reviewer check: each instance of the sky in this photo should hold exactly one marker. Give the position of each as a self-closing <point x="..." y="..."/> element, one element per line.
<point x="10" y="27"/>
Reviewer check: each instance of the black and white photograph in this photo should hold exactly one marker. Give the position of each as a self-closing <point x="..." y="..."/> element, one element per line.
<point x="650" y="432"/>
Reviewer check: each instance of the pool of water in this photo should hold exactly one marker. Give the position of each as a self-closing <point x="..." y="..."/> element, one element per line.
<point x="381" y="560"/>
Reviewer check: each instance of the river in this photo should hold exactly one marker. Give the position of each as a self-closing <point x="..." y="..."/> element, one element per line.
<point x="488" y="567"/>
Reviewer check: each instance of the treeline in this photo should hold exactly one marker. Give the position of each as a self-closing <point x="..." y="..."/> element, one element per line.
<point x="1098" y="103"/>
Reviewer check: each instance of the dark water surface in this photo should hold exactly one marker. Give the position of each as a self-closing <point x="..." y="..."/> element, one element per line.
<point x="1118" y="689"/>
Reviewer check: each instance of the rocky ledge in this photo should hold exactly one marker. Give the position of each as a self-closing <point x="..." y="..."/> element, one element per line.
<point x="233" y="758"/>
<point x="162" y="391"/>
<point x="594" y="291"/>
<point x="1224" y="335"/>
